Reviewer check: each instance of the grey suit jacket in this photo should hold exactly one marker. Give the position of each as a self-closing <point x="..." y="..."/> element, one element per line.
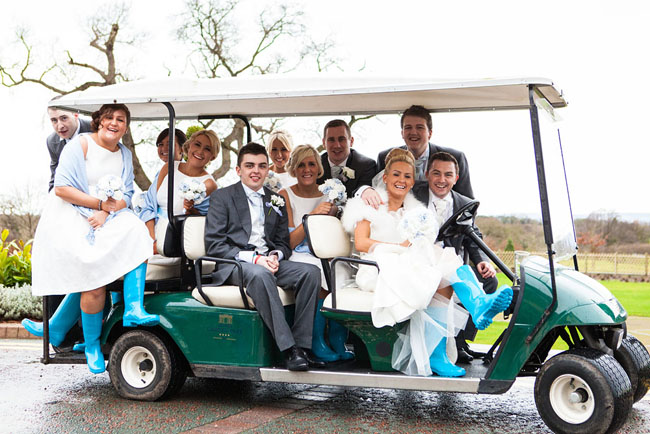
<point x="463" y="186"/>
<point x="365" y="169"/>
<point x="476" y="255"/>
<point x="55" y="146"/>
<point x="228" y="228"/>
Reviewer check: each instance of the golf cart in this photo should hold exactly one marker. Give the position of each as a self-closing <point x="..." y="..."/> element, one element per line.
<point x="215" y="331"/>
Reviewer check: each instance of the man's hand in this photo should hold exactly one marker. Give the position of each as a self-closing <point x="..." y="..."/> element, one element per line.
<point x="486" y="270"/>
<point x="371" y="198"/>
<point x="271" y="263"/>
<point x="98" y="218"/>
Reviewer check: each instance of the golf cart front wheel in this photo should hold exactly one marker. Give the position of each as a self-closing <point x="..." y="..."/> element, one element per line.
<point x="583" y="391"/>
<point x="635" y="360"/>
<point x="143" y="367"/>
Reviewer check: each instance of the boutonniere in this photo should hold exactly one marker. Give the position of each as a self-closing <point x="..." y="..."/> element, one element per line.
<point x="348" y="172"/>
<point x="276" y="203"/>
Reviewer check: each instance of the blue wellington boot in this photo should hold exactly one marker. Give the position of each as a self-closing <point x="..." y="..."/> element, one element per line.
<point x="337" y="336"/>
<point x="319" y="347"/>
<point x="92" y="328"/>
<point x="483" y="307"/>
<point x="65" y="316"/>
<point x="134" y="313"/>
<point x="440" y="363"/>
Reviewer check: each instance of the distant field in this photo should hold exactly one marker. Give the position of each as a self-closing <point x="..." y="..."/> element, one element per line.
<point x="634" y="296"/>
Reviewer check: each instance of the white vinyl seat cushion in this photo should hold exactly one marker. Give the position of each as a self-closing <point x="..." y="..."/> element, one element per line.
<point x="351" y="299"/>
<point x="229" y="296"/>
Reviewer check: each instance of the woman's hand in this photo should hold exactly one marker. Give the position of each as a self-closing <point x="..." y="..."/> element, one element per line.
<point x="189" y="207"/>
<point x="109" y="205"/>
<point x="405" y="243"/>
<point x="98" y="218"/>
<point x="322" y="208"/>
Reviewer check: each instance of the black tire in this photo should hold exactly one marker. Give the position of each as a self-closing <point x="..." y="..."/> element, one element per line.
<point x="635" y="360"/>
<point x="595" y="378"/>
<point x="142" y="366"/>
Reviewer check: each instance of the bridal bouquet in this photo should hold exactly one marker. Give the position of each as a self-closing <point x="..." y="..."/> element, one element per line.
<point x="418" y="224"/>
<point x="193" y="190"/>
<point x="273" y="181"/>
<point x="334" y="190"/>
<point x="110" y="186"/>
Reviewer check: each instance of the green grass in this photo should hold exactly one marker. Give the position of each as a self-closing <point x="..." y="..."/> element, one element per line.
<point x="634" y="296"/>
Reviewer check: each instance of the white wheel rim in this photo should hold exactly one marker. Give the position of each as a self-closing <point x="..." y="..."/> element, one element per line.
<point x="138" y="367"/>
<point x="572" y="399"/>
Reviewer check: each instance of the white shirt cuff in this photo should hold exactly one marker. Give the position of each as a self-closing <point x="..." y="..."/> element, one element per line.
<point x="278" y="253"/>
<point x="246" y="256"/>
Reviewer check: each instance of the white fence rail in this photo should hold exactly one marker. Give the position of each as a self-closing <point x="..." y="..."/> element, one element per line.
<point x="598" y="263"/>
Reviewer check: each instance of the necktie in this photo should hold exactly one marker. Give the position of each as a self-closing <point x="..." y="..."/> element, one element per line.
<point x="419" y="169"/>
<point x="441" y="210"/>
<point x="336" y="172"/>
<point x="256" y="199"/>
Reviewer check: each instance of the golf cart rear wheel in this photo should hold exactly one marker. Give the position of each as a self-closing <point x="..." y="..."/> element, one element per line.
<point x="583" y="391"/>
<point x="144" y="367"/>
<point x="635" y="360"/>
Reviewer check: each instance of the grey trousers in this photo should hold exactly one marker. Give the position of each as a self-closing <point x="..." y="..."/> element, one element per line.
<point x="261" y="285"/>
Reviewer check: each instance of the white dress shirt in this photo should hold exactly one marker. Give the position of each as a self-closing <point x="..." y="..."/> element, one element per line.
<point x="441" y="207"/>
<point x="256" y="208"/>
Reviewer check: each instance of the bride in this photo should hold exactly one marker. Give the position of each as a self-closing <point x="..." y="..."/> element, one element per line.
<point x="422" y="294"/>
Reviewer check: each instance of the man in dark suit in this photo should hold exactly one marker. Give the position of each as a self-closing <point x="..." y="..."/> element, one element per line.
<point x="248" y="223"/>
<point x="342" y="162"/>
<point x="66" y="126"/>
<point x="437" y="195"/>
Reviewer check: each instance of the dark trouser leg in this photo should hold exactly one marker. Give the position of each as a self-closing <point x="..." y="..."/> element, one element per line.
<point x="469" y="333"/>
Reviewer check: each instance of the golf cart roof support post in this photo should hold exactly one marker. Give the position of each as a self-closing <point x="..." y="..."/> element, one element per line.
<point x="546" y="214"/>
<point x="170" y="163"/>
<point x="46" y="330"/>
<point x="242" y="118"/>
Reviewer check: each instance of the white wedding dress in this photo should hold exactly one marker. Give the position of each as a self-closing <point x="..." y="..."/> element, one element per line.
<point x="405" y="287"/>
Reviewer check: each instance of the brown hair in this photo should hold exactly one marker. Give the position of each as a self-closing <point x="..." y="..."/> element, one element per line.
<point x="337" y="123"/>
<point x="299" y="154"/>
<point x="442" y="156"/>
<point x="215" y="143"/>
<point x="417" y="111"/>
<point x="253" y="149"/>
<point x="105" y="111"/>
<point x="180" y="136"/>
<point x="400" y="155"/>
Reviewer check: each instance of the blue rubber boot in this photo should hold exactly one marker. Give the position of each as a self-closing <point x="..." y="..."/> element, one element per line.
<point x="440" y="363"/>
<point x="483" y="307"/>
<point x="319" y="347"/>
<point x="134" y="313"/>
<point x="66" y="316"/>
<point x="337" y="336"/>
<point x="92" y="328"/>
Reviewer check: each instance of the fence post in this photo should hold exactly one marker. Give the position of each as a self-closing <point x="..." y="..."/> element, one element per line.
<point x="646" y="264"/>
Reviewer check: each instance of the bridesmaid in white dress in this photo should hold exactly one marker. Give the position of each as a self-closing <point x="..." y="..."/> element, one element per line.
<point x="279" y="146"/>
<point x="199" y="150"/>
<point x="304" y="198"/>
<point x="83" y="243"/>
<point x="415" y="282"/>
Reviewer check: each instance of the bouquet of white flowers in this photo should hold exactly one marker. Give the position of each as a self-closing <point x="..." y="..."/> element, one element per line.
<point x="272" y="181"/>
<point x="334" y="190"/>
<point x="193" y="190"/>
<point x="419" y="224"/>
<point x="110" y="186"/>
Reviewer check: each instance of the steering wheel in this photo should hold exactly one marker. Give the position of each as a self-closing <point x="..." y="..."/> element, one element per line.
<point x="462" y="218"/>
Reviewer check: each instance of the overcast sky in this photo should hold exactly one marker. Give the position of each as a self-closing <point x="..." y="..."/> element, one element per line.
<point x="595" y="51"/>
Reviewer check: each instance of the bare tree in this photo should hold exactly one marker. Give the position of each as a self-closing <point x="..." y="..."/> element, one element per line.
<point x="219" y="50"/>
<point x="104" y="37"/>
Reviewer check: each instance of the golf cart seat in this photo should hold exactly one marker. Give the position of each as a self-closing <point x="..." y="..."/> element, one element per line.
<point x="231" y="296"/>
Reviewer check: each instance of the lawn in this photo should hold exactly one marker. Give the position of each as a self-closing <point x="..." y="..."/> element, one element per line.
<point x="634" y="296"/>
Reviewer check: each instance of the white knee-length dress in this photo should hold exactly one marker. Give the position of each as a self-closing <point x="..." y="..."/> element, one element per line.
<point x="64" y="261"/>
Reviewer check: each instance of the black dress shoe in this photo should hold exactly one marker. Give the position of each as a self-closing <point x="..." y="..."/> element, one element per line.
<point x="294" y="359"/>
<point x="311" y="359"/>
<point x="463" y="356"/>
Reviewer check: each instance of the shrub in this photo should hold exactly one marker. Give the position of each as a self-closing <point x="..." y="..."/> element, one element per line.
<point x="15" y="261"/>
<point x="18" y="303"/>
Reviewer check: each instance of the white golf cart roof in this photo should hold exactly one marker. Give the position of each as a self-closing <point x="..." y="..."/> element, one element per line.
<point x="288" y="95"/>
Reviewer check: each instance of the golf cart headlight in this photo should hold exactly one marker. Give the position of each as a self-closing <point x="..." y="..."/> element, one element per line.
<point x="614" y="337"/>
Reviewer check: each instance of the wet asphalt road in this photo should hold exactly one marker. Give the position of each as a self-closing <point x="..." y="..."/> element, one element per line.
<point x="36" y="398"/>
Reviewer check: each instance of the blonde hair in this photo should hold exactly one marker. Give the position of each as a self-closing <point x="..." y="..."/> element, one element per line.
<point x="215" y="143"/>
<point x="281" y="136"/>
<point x="298" y="155"/>
<point x="397" y="155"/>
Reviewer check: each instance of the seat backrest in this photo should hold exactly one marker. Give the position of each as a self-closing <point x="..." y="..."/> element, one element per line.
<point x="326" y="236"/>
<point x="194" y="237"/>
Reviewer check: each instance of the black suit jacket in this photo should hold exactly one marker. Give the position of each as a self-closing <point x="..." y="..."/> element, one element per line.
<point x="476" y="255"/>
<point x="228" y="227"/>
<point x="463" y="186"/>
<point x="364" y="170"/>
<point x="55" y="146"/>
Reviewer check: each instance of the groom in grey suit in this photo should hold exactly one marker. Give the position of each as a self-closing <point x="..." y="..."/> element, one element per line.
<point x="66" y="126"/>
<point x="246" y="223"/>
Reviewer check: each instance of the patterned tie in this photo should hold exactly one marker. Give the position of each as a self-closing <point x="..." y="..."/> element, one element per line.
<point x="257" y="200"/>
<point x="419" y="170"/>
<point x="441" y="210"/>
<point x="336" y="172"/>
